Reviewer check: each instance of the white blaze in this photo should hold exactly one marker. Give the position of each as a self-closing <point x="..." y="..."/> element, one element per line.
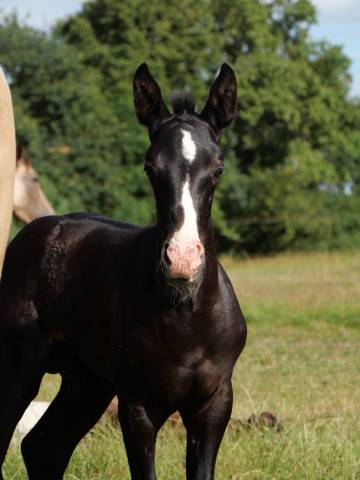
<point x="188" y="233"/>
<point x="188" y="146"/>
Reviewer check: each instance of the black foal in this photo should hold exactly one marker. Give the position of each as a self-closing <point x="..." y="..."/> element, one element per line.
<point x="147" y="314"/>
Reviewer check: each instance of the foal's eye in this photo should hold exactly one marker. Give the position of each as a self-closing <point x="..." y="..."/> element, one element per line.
<point x="149" y="170"/>
<point x="218" y="172"/>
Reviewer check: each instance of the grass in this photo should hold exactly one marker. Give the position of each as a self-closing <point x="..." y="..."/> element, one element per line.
<point x="301" y="362"/>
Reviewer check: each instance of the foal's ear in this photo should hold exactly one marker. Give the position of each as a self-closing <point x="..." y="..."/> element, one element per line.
<point x="220" y="107"/>
<point x="21" y="154"/>
<point x="149" y="105"/>
<point x="19" y="151"/>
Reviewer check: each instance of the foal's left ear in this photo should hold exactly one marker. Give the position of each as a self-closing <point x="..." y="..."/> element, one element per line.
<point x="149" y="105"/>
<point x="21" y="154"/>
<point x="220" y="107"/>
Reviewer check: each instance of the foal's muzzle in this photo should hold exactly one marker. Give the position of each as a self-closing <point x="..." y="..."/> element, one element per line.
<point x="184" y="260"/>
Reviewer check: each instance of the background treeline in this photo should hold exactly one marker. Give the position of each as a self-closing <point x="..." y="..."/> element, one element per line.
<point x="292" y="177"/>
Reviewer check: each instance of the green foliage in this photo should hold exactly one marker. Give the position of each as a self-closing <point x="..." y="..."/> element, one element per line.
<point x="292" y="157"/>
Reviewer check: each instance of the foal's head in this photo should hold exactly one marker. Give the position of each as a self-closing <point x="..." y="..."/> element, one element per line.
<point x="184" y="163"/>
<point x="29" y="201"/>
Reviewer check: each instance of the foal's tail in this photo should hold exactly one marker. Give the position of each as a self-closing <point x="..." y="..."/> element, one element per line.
<point x="7" y="163"/>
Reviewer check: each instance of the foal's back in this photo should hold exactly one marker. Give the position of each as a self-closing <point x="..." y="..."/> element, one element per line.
<point x="57" y="265"/>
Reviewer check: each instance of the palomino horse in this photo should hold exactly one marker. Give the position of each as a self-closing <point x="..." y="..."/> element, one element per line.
<point x="7" y="163"/>
<point x="147" y="314"/>
<point x="30" y="201"/>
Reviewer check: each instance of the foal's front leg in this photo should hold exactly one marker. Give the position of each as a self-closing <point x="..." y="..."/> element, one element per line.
<point x="140" y="424"/>
<point x="205" y="429"/>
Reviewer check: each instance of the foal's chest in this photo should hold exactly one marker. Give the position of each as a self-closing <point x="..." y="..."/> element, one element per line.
<point x="175" y="360"/>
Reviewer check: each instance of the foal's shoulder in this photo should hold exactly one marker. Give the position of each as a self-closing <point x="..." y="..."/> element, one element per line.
<point x="228" y="296"/>
<point x="231" y="312"/>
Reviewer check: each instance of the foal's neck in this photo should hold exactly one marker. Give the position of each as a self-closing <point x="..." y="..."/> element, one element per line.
<point x="210" y="281"/>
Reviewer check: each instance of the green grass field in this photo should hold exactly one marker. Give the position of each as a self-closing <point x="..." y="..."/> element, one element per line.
<point x="301" y="362"/>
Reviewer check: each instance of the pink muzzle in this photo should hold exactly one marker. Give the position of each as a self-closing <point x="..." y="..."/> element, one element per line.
<point x="185" y="260"/>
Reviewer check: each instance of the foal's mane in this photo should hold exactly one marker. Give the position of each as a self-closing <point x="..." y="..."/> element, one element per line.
<point x="182" y="102"/>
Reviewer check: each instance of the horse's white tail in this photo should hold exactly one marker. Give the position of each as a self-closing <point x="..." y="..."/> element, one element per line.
<point x="7" y="163"/>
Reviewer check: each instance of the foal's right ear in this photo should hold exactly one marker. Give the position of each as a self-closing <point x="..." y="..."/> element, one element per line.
<point x="149" y="105"/>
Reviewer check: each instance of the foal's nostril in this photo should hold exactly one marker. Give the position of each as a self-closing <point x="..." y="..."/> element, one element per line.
<point x="198" y="250"/>
<point x="165" y="253"/>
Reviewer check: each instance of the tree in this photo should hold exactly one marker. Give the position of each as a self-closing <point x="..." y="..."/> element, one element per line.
<point x="292" y="156"/>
